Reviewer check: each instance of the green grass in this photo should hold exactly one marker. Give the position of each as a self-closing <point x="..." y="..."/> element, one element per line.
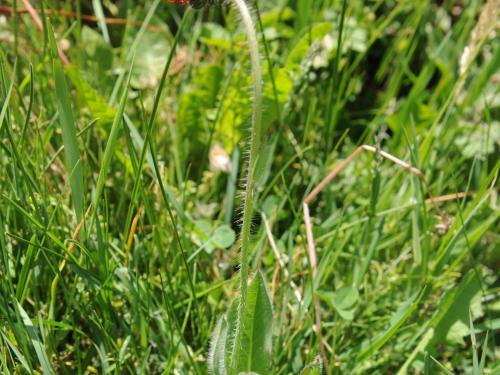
<point x="405" y="285"/>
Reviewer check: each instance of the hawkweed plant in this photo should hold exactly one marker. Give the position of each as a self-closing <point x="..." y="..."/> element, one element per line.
<point x="242" y="340"/>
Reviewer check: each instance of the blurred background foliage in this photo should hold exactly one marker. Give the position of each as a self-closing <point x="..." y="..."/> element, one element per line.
<point x="400" y="279"/>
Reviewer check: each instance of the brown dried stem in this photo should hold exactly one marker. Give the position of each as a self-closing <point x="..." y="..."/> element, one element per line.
<point x="85" y="17"/>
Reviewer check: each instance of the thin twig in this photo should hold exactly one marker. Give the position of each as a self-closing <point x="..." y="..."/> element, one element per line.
<point x="281" y="262"/>
<point x="85" y="17"/>
<point x="449" y="197"/>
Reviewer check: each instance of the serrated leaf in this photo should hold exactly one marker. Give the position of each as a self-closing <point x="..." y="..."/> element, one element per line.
<point x="479" y="140"/>
<point x="253" y="344"/>
<point x="98" y="106"/>
<point x="194" y="106"/>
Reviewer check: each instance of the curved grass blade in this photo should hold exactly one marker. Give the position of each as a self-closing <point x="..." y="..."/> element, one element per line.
<point x="111" y="144"/>
<point x="68" y="127"/>
<point x="396" y="322"/>
<point x="38" y="345"/>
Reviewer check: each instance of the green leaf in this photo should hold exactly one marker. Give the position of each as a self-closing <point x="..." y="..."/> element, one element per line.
<point x="68" y="126"/>
<point x="452" y="319"/>
<point x="264" y="163"/>
<point x="299" y="51"/>
<point x="223" y="237"/>
<point x="97" y="60"/>
<point x="194" y="105"/>
<point x="232" y="324"/>
<point x="253" y="343"/>
<point x="5" y="104"/>
<point x="98" y="106"/>
<point x="216" y="355"/>
<point x="112" y="142"/>
<point x="222" y="342"/>
<point x="209" y="239"/>
<point x="24" y="276"/>
<point x="213" y="34"/>
<point x="397" y="321"/>
<point x="151" y="55"/>
<point x="17" y="354"/>
<point x="479" y="140"/>
<point x="344" y="301"/>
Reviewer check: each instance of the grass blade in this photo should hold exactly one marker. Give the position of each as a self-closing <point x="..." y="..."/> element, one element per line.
<point x="397" y="321"/>
<point x="111" y="143"/>
<point x="38" y="345"/>
<point x="68" y="127"/>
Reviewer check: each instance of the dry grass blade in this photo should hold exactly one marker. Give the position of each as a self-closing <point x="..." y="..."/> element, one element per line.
<point x="279" y="257"/>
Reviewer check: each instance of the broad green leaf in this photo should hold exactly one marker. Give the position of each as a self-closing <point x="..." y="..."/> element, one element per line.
<point x="223" y="237"/>
<point x="151" y="55"/>
<point x="98" y="60"/>
<point x="68" y="126"/>
<point x="452" y="319"/>
<point x="274" y="16"/>
<point x="346" y="297"/>
<point x="283" y="84"/>
<point x="210" y="239"/>
<point x="478" y="140"/>
<point x="344" y="301"/>
<point x="253" y="343"/>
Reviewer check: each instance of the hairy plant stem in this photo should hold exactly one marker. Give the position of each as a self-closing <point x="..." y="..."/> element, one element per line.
<point x="253" y="45"/>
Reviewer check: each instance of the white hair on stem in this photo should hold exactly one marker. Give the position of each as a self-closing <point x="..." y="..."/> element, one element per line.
<point x="255" y="135"/>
